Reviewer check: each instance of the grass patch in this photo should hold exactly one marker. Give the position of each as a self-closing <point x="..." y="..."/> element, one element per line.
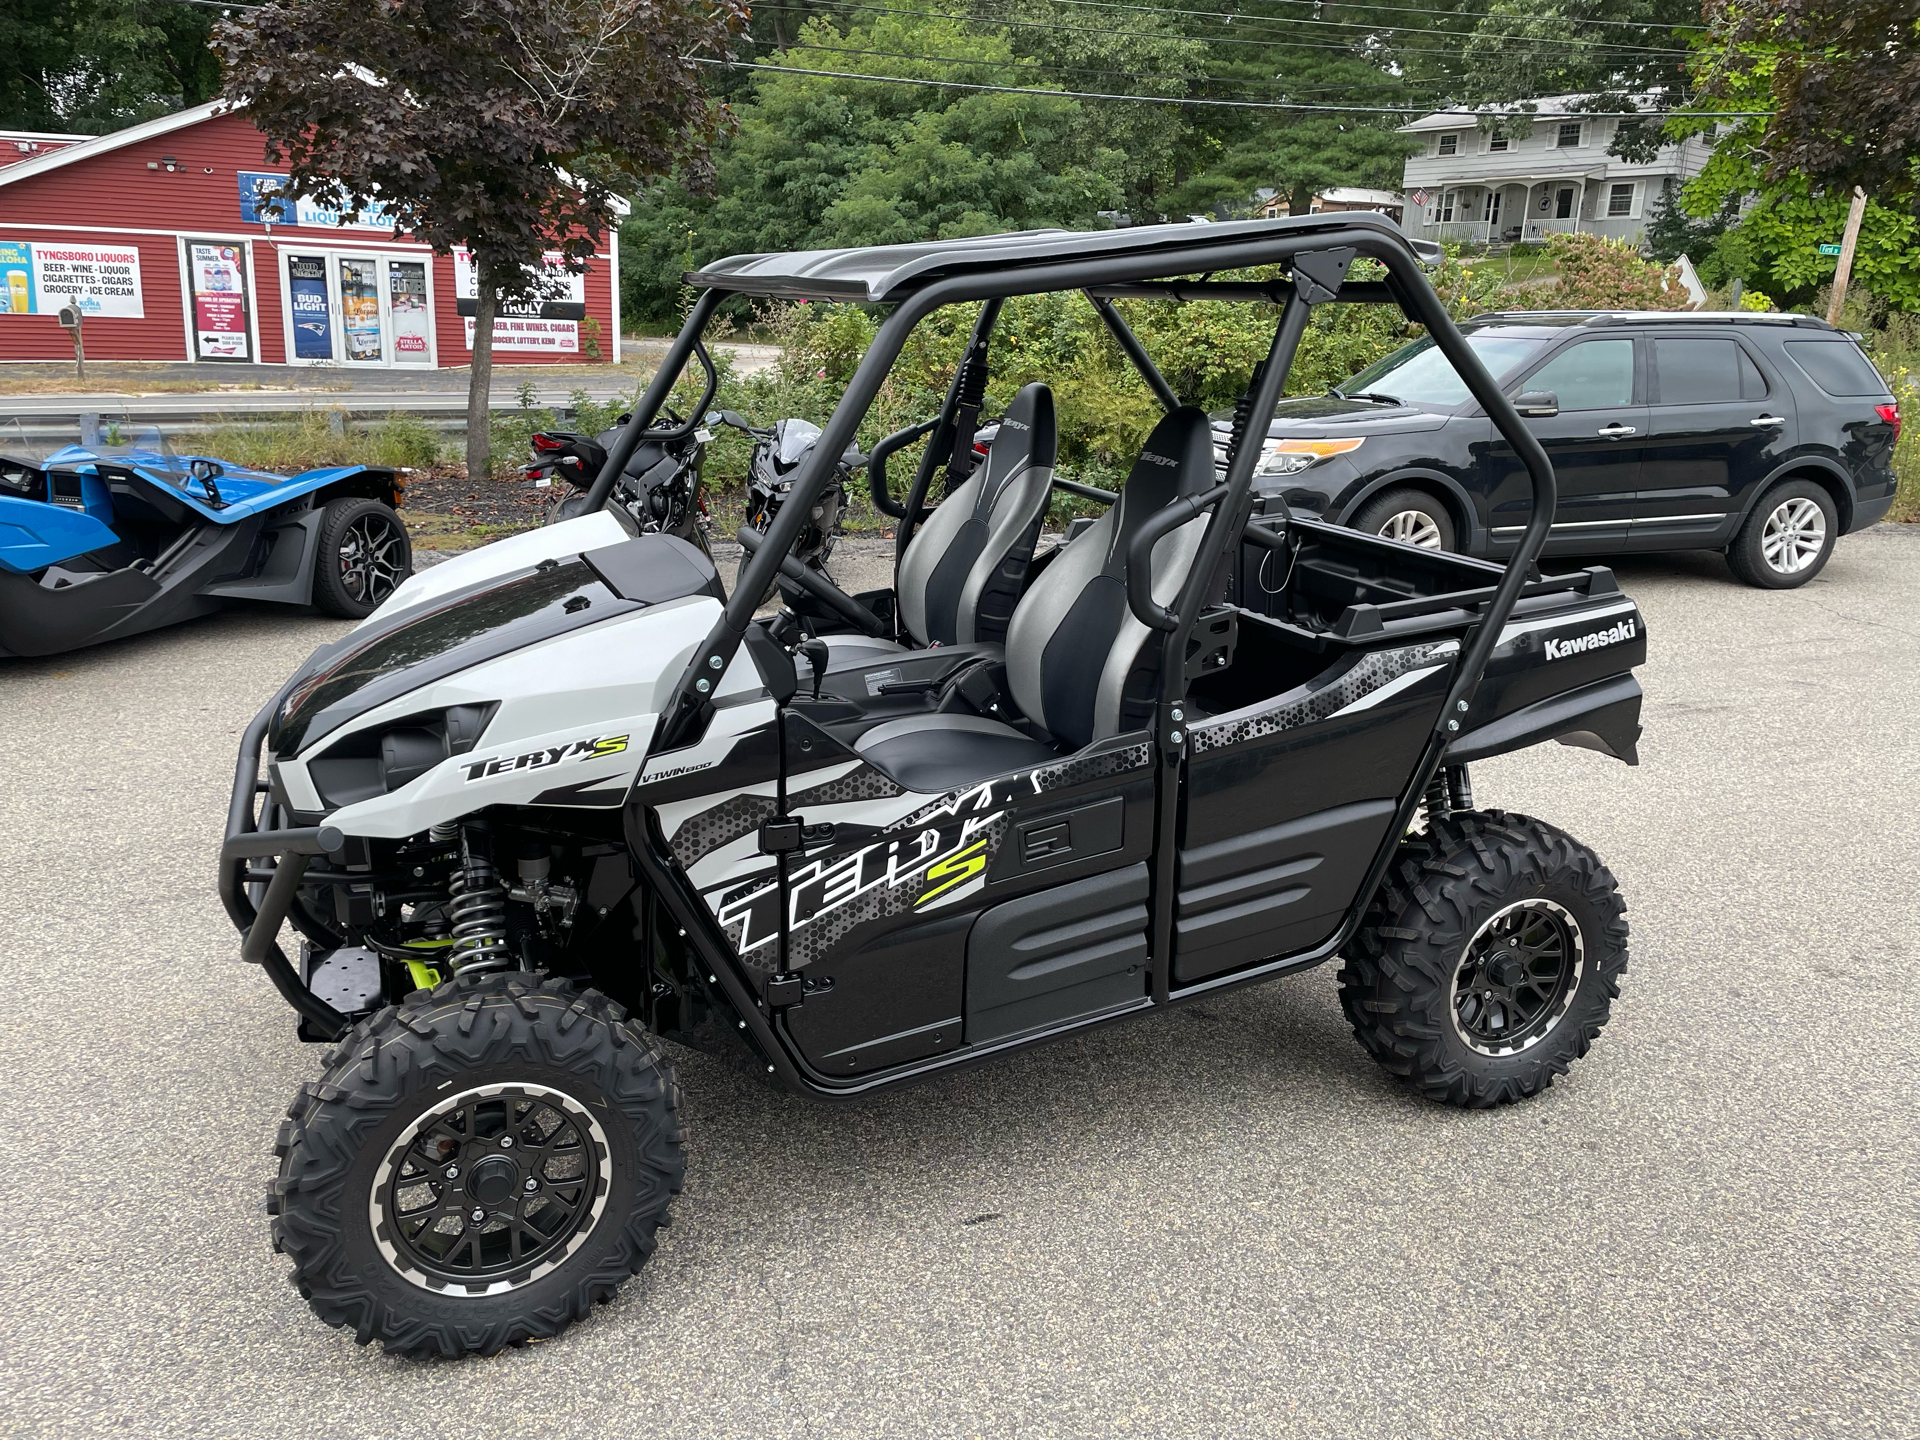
<point x="319" y="438"/>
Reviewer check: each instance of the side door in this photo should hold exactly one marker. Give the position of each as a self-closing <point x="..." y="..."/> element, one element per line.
<point x="1290" y="793"/>
<point x="924" y="924"/>
<point x="1718" y="425"/>
<point x="1595" y="442"/>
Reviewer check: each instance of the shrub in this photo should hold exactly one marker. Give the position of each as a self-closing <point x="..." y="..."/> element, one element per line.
<point x="1601" y="274"/>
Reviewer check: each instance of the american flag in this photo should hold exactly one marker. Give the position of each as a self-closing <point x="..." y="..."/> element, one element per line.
<point x="1419" y="197"/>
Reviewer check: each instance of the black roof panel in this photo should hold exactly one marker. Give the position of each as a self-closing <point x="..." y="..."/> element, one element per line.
<point x="888" y="272"/>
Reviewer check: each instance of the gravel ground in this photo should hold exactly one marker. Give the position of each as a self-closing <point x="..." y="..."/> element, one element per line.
<point x="1223" y="1221"/>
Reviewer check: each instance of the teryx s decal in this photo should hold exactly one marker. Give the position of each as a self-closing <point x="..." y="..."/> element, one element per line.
<point x="539" y="759"/>
<point x="1560" y="649"/>
<point x="956" y="869"/>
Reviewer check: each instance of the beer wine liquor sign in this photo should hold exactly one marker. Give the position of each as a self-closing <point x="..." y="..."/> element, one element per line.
<point x="41" y="277"/>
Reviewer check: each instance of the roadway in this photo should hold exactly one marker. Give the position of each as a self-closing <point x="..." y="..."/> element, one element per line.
<point x="1221" y="1222"/>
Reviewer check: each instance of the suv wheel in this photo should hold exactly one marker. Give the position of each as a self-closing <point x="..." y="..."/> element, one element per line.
<point x="1787" y="538"/>
<point x="1412" y="517"/>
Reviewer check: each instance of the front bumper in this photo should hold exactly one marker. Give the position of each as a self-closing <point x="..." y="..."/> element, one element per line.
<point x="271" y="862"/>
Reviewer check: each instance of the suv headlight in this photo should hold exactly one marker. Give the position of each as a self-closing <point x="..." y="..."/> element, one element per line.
<point x="1290" y="457"/>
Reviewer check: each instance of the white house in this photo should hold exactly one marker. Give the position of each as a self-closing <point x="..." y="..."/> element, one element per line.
<point x="1467" y="183"/>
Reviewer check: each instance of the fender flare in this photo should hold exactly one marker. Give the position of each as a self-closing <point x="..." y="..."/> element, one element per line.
<point x="1847" y="500"/>
<point x="1472" y="537"/>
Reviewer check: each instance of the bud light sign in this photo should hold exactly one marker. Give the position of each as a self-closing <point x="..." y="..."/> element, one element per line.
<point x="312" y="311"/>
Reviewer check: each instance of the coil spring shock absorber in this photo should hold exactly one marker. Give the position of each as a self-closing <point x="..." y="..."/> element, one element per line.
<point x="478" y="905"/>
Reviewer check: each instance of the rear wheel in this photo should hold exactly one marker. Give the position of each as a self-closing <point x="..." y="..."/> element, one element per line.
<point x="478" y="1166"/>
<point x="1489" y="959"/>
<point x="1787" y="539"/>
<point x="364" y="556"/>
<point x="1412" y="517"/>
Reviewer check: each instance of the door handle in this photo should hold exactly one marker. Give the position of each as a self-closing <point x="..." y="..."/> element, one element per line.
<point x="1768" y="420"/>
<point x="1616" y="431"/>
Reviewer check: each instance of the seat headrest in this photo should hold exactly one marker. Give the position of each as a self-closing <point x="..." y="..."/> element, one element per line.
<point x="1176" y="460"/>
<point x="1029" y="433"/>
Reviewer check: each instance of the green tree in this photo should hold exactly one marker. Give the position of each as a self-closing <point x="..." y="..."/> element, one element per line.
<point x="816" y="161"/>
<point x="508" y="127"/>
<point x="1782" y="170"/>
<point x="89" y="66"/>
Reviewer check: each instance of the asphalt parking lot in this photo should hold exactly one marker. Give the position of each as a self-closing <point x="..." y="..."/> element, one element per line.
<point x="1220" y="1222"/>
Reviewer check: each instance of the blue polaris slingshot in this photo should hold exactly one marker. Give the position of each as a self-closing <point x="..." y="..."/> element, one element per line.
<point x="101" y="543"/>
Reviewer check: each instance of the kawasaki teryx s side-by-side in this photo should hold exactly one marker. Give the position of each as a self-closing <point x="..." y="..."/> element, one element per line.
<point x="564" y="798"/>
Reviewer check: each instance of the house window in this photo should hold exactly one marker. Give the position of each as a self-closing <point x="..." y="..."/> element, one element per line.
<point x="1568" y="135"/>
<point x="1497" y="143"/>
<point x="1449" y="145"/>
<point x="1446" y="207"/>
<point x="1620" y="200"/>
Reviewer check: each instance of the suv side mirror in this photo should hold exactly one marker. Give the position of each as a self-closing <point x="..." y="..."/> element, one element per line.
<point x="1538" y="405"/>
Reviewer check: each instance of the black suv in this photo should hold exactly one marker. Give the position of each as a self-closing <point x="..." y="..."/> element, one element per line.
<point x="1764" y="436"/>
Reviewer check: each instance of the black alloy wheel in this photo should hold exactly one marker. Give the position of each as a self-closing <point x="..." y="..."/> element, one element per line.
<point x="1517" y="977"/>
<point x="370" y="558"/>
<point x="364" y="556"/>
<point x="493" y="1188"/>
<point x="1489" y="959"/>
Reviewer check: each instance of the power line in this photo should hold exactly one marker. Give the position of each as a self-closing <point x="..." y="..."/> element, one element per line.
<point x="1168" y="99"/>
<point x="1350" y="49"/>
<point x="1084" y="70"/>
<point x="1230" y="17"/>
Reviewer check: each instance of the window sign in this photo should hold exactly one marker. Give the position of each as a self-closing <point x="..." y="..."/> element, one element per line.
<point x="41" y="277"/>
<point x="260" y="204"/>
<point x="218" y="279"/>
<point x="407" y="302"/>
<point x="549" y="321"/>
<point x="360" y="310"/>
<point x="311" y="306"/>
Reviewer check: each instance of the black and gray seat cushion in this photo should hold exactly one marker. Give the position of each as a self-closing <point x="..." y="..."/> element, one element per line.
<point x="965" y="567"/>
<point x="1078" y="663"/>
<point x="936" y="753"/>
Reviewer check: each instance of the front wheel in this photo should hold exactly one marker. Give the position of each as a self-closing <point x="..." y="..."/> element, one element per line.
<point x="478" y="1166"/>
<point x="1489" y="959"/>
<point x="1787" y="539"/>
<point x="1410" y="516"/>
<point x="364" y="556"/>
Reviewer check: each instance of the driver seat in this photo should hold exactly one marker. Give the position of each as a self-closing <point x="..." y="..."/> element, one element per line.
<point x="965" y="567"/>
<point x="1079" y="664"/>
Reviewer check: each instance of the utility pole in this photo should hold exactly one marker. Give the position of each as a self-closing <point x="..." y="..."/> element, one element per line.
<point x="1843" y="271"/>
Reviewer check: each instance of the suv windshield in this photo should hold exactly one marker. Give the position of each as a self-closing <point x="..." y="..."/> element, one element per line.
<point x="1418" y="374"/>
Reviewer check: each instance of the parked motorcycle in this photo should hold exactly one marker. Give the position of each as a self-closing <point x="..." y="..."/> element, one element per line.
<point x="778" y="451"/>
<point x="662" y="483"/>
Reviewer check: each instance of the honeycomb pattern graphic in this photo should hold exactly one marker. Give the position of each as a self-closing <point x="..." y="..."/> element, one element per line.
<point x="726" y="822"/>
<point x="1366" y="676"/>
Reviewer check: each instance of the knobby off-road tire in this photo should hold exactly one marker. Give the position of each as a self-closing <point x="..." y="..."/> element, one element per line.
<point x="501" y="1054"/>
<point x="1494" y="905"/>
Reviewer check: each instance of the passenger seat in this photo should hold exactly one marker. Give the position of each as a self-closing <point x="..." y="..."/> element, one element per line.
<point x="1078" y="663"/>
<point x="965" y="568"/>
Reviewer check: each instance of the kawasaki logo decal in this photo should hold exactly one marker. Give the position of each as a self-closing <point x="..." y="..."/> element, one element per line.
<point x="541" y="759"/>
<point x="1599" y="639"/>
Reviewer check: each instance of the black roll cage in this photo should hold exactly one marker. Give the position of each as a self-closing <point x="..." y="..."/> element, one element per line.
<point x="1318" y="255"/>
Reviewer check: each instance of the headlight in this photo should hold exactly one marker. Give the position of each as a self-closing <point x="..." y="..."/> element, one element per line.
<point x="378" y="762"/>
<point x="1290" y="457"/>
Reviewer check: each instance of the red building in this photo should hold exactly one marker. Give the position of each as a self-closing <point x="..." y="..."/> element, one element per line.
<point x="161" y="232"/>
